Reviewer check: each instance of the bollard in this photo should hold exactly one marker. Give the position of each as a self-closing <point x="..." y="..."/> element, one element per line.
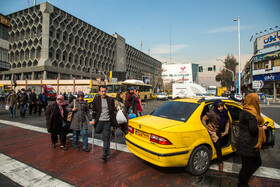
<point x="267" y="102"/>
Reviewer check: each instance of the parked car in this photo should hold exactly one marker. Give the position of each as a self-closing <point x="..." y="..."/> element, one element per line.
<point x="162" y="96"/>
<point x="89" y="98"/>
<point x="174" y="136"/>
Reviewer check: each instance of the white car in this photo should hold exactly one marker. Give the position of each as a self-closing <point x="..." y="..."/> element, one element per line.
<point x="162" y="96"/>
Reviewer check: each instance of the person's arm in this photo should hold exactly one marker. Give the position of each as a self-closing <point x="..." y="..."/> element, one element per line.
<point x="253" y="127"/>
<point x="226" y="129"/>
<point x="204" y="121"/>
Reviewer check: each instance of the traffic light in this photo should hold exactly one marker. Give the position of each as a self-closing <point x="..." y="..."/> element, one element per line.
<point x="214" y="67"/>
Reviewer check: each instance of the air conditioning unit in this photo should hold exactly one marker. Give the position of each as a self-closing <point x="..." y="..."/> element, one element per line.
<point x="268" y="66"/>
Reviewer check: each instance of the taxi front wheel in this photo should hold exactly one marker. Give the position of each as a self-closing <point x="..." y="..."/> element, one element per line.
<point x="199" y="161"/>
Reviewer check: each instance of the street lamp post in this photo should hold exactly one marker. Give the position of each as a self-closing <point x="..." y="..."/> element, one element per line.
<point x="104" y="76"/>
<point x="239" y="69"/>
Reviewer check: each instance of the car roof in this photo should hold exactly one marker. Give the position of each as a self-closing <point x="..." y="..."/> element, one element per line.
<point x="200" y="100"/>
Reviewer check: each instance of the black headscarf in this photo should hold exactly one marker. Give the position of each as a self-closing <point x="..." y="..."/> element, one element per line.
<point x="223" y="115"/>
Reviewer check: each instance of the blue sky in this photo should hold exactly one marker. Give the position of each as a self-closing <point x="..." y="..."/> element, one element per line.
<point x="201" y="30"/>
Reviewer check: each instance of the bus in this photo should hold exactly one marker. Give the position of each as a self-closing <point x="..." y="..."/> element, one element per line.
<point x="122" y="87"/>
<point x="212" y="90"/>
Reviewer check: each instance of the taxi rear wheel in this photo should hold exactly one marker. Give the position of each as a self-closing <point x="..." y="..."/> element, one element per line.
<point x="199" y="161"/>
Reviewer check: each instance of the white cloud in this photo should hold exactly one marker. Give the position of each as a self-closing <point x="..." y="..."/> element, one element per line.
<point x="227" y="29"/>
<point x="163" y="49"/>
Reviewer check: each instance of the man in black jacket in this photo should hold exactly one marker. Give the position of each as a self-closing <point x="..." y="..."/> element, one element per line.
<point x="32" y="102"/>
<point x="22" y="102"/>
<point x="103" y="116"/>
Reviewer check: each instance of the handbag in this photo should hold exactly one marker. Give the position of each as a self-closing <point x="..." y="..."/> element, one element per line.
<point x="70" y="114"/>
<point x="270" y="138"/>
<point x="7" y="107"/>
<point x="120" y="117"/>
<point x="65" y="124"/>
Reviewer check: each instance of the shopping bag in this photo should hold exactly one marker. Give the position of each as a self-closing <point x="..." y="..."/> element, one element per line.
<point x="120" y="117"/>
<point x="7" y="107"/>
<point x="70" y="114"/>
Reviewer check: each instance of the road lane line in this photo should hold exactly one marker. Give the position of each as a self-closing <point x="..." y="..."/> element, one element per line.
<point x="275" y="124"/>
<point x="228" y="166"/>
<point x="26" y="175"/>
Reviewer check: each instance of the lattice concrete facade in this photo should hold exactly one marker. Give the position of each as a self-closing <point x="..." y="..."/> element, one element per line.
<point x="47" y="42"/>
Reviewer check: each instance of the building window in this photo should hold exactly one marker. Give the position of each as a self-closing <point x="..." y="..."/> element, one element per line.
<point x="70" y="40"/>
<point x="51" y="33"/>
<point x="27" y="76"/>
<point x="51" y="75"/>
<point x="50" y="55"/>
<point x="38" y="75"/>
<point x="63" y="57"/>
<point x="8" y="77"/>
<point x="70" y="59"/>
<point x="57" y="36"/>
<point x="57" y="56"/>
<point x="64" y="38"/>
<point x="277" y="62"/>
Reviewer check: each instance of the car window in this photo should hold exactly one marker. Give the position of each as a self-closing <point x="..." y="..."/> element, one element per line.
<point x="234" y="112"/>
<point x="180" y="111"/>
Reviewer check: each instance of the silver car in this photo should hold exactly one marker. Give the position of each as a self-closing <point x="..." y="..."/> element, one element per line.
<point x="162" y="96"/>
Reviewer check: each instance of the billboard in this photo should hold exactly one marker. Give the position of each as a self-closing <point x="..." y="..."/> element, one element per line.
<point x="178" y="73"/>
<point x="266" y="41"/>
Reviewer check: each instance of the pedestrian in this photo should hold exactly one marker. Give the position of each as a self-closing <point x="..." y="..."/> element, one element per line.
<point x="139" y="106"/>
<point x="218" y="127"/>
<point x="71" y="98"/>
<point x="32" y="102"/>
<point x="103" y="115"/>
<point x="81" y="116"/>
<point x="251" y="137"/>
<point x="56" y="115"/>
<point x="12" y="102"/>
<point x="43" y="102"/>
<point x="120" y="104"/>
<point x="65" y="96"/>
<point x="22" y="102"/>
<point x="131" y="102"/>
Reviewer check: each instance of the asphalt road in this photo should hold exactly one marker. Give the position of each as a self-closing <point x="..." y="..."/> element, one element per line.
<point x="270" y="157"/>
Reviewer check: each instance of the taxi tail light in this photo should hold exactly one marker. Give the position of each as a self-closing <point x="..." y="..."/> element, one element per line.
<point x="159" y="140"/>
<point x="130" y="129"/>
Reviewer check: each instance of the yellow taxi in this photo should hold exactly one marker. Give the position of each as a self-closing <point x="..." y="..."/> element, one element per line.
<point x="174" y="136"/>
<point x="89" y="98"/>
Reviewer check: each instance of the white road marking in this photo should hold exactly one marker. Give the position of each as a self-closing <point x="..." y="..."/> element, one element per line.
<point x="275" y="124"/>
<point x="228" y="166"/>
<point x="26" y="175"/>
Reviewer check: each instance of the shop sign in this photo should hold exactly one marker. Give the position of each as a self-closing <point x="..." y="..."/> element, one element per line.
<point x="268" y="77"/>
<point x="262" y="57"/>
<point x="266" y="41"/>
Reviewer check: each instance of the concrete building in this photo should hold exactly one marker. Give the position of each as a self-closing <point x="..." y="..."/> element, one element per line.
<point x="48" y="43"/>
<point x="4" y="43"/>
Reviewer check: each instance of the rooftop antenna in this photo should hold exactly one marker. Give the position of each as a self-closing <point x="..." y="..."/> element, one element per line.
<point x="34" y="2"/>
<point x="142" y="39"/>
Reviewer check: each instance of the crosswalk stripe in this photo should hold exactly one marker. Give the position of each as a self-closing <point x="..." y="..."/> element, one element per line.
<point x="26" y="175"/>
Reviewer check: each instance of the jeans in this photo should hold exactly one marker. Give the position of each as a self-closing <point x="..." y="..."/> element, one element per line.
<point x="13" y="110"/>
<point x="83" y="132"/>
<point x="106" y="131"/>
<point x="22" y="108"/>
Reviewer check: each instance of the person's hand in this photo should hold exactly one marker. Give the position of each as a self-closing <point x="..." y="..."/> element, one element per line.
<point x="264" y="127"/>
<point x="131" y="111"/>
<point x="92" y="122"/>
<point x="118" y="109"/>
<point x="74" y="109"/>
<point x="223" y="134"/>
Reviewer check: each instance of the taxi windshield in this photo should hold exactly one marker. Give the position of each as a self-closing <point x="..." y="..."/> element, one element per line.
<point x="89" y="96"/>
<point x="179" y="111"/>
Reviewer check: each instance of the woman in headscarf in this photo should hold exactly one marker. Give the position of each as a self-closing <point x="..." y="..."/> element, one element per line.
<point x="218" y="126"/>
<point x="139" y="106"/>
<point x="251" y="137"/>
<point x="79" y="120"/>
<point x="56" y="115"/>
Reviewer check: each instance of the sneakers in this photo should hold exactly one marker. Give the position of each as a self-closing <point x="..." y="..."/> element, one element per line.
<point x="86" y="149"/>
<point x="63" y="148"/>
<point x="53" y="145"/>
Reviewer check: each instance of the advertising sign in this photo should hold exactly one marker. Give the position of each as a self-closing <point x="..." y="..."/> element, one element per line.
<point x="177" y="73"/>
<point x="266" y="41"/>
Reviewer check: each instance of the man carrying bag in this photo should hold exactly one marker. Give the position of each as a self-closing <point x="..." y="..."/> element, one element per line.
<point x="103" y="116"/>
